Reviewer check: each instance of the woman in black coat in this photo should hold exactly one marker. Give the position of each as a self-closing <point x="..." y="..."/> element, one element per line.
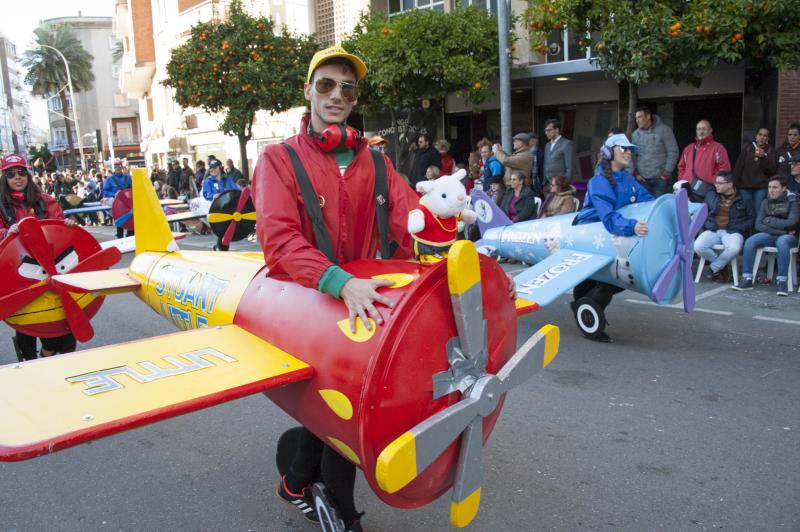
<point x="519" y="202"/>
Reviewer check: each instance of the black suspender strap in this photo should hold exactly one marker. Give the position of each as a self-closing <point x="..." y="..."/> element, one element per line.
<point x="321" y="234"/>
<point x="387" y="248"/>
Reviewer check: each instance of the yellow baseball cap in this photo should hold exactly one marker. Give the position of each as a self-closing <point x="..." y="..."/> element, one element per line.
<point x="327" y="54"/>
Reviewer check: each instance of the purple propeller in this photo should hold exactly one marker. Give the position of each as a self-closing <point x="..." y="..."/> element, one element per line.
<point x="684" y="251"/>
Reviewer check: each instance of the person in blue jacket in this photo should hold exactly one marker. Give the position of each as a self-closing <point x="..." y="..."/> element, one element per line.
<point x="113" y="184"/>
<point x="610" y="189"/>
<point x="215" y="184"/>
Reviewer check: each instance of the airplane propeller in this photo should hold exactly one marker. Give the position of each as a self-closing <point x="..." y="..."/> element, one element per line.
<point x="35" y="242"/>
<point x="684" y="251"/>
<point x="220" y="213"/>
<point x="407" y="456"/>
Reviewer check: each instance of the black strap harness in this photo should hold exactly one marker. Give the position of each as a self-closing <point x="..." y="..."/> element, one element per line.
<point x="381" y="195"/>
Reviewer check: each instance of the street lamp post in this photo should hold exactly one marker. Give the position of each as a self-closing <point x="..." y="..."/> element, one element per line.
<point x="74" y="107"/>
<point x="505" y="75"/>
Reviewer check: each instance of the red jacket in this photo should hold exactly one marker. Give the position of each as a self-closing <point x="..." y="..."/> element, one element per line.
<point x="282" y="223"/>
<point x="448" y="164"/>
<point x="711" y="159"/>
<point x="51" y="211"/>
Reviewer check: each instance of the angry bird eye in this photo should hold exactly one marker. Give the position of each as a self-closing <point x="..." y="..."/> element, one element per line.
<point x="444" y="195"/>
<point x="66" y="260"/>
<point x="30" y="269"/>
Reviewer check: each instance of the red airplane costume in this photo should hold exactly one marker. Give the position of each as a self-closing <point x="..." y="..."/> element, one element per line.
<point x="284" y="229"/>
<point x="286" y="234"/>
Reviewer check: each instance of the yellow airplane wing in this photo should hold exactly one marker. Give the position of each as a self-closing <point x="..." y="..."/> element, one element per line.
<point x="54" y="403"/>
<point x="101" y="282"/>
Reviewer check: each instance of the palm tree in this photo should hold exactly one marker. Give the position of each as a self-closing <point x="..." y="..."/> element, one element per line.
<point x="47" y="74"/>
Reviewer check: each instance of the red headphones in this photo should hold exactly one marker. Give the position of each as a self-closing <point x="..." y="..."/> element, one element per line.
<point x="336" y="137"/>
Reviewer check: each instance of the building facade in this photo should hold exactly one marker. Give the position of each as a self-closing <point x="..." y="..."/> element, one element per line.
<point x="15" y="115"/>
<point x="149" y="31"/>
<point x="564" y="84"/>
<point x="108" y="119"/>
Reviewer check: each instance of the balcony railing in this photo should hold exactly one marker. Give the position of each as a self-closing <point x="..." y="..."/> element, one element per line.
<point x="126" y="141"/>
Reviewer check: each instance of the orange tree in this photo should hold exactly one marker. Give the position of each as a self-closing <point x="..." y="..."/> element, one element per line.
<point x="239" y="66"/>
<point x="642" y="41"/>
<point x="424" y="54"/>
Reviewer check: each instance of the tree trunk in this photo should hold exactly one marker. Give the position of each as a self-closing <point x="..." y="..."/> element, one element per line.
<point x="65" y="110"/>
<point x="633" y="103"/>
<point x="396" y="140"/>
<point x="243" y="139"/>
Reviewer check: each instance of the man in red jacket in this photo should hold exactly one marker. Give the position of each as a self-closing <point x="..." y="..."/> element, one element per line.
<point x="343" y="178"/>
<point x="704" y="158"/>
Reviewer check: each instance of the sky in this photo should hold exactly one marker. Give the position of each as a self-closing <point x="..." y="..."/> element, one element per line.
<point x="18" y="23"/>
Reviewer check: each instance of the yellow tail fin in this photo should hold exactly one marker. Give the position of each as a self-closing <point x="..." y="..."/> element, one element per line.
<point x="149" y="222"/>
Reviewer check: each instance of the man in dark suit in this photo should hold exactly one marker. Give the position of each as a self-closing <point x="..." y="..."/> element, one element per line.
<point x="559" y="153"/>
<point x="425" y="155"/>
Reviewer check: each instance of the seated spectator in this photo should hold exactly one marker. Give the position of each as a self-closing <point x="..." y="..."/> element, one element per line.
<point x="730" y="217"/>
<point x="519" y="201"/>
<point x="776" y="224"/>
<point x="560" y="200"/>
<point x="755" y="165"/>
<point x="432" y="172"/>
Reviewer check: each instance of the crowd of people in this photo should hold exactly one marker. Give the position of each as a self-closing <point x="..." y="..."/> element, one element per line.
<point x="752" y="203"/>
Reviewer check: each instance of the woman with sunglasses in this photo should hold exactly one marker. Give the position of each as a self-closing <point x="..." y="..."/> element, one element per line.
<point x="20" y="198"/>
<point x="611" y="188"/>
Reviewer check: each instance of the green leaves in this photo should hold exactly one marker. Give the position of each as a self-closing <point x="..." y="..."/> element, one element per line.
<point x="46" y="71"/>
<point x="239" y="66"/>
<point x="647" y="40"/>
<point x="423" y="54"/>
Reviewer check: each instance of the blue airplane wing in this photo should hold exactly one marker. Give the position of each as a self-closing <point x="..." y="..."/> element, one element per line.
<point x="83" y="210"/>
<point x="548" y="279"/>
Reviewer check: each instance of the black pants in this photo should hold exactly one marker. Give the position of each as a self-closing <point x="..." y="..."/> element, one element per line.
<point x="120" y="231"/>
<point x="599" y="292"/>
<point x="220" y="246"/>
<point x="27" y="345"/>
<point x="305" y="459"/>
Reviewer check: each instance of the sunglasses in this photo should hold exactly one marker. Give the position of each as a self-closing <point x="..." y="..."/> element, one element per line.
<point x="326" y="85"/>
<point x="10" y="174"/>
<point x="625" y="148"/>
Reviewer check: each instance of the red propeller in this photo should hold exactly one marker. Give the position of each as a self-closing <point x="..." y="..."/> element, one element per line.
<point x="33" y="239"/>
<point x="228" y="236"/>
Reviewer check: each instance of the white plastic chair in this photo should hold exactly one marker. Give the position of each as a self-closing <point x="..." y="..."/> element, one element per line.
<point x="538" y="202"/>
<point x="772" y="254"/>
<point x="577" y="204"/>
<point x="702" y="264"/>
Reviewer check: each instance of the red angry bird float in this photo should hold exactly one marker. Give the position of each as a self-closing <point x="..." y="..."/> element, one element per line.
<point x="32" y="302"/>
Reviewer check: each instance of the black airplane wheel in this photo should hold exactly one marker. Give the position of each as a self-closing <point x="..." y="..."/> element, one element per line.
<point x="590" y="317"/>
<point x="329" y="520"/>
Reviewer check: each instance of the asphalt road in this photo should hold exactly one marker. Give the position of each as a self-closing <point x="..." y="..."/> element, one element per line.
<point x="685" y="422"/>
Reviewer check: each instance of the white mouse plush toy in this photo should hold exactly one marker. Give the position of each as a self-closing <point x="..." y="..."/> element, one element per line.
<point x="434" y="224"/>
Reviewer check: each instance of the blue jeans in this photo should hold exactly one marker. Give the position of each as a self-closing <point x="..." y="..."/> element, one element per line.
<point x="658" y="186"/>
<point x="753" y="196"/>
<point x="760" y="240"/>
<point x="732" y="242"/>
